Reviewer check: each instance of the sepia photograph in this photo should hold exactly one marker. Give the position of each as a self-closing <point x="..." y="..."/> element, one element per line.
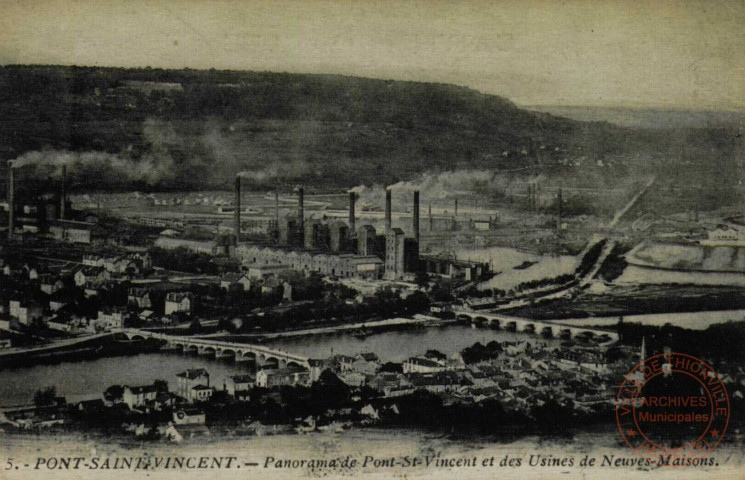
<point x="412" y="239"/>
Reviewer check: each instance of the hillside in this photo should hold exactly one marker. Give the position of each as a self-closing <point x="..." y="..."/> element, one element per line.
<point x="166" y="129"/>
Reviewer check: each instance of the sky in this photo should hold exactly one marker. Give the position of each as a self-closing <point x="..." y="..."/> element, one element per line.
<point x="661" y="53"/>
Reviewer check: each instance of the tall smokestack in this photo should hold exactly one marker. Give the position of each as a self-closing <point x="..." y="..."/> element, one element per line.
<point x="415" y="216"/>
<point x="301" y="213"/>
<point x="388" y="221"/>
<point x="352" y="198"/>
<point x="276" y="208"/>
<point x="237" y="209"/>
<point x="430" y="217"/>
<point x="456" y="207"/>
<point x="63" y="194"/>
<point x="11" y="200"/>
<point x="561" y="207"/>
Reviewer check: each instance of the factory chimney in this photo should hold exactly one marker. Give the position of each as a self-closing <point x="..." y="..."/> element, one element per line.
<point x="415" y="216"/>
<point x="387" y="211"/>
<point x="63" y="194"/>
<point x="276" y="208"/>
<point x="456" y="207"/>
<point x="237" y="202"/>
<point x="430" y="217"/>
<point x="561" y="207"/>
<point x="11" y="200"/>
<point x="352" y="198"/>
<point x="301" y="214"/>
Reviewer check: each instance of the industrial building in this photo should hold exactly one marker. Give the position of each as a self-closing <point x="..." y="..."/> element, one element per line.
<point x="446" y="266"/>
<point x="339" y="265"/>
<point x="335" y="249"/>
<point x="76" y="232"/>
<point x="47" y="214"/>
<point x="209" y="247"/>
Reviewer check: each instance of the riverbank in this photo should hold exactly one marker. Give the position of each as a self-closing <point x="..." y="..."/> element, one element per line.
<point x="360" y="327"/>
<point x="87" y="348"/>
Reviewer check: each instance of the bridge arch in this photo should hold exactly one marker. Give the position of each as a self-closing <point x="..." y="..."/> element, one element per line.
<point x="271" y="362"/>
<point x="227" y="353"/>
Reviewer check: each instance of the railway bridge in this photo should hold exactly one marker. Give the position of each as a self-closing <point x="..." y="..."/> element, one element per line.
<point x="240" y="351"/>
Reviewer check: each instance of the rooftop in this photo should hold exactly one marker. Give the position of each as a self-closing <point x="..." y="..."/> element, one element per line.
<point x="193" y="373"/>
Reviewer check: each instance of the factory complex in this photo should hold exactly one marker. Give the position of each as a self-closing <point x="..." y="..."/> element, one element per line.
<point x="329" y="246"/>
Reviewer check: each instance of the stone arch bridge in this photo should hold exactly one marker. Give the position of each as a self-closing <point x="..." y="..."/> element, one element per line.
<point x="552" y="329"/>
<point x="240" y="351"/>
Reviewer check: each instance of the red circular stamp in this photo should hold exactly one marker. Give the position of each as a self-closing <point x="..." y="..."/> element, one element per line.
<point x="672" y="409"/>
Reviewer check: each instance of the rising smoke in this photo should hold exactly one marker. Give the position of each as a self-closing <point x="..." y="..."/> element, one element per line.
<point x="176" y="156"/>
<point x="96" y="168"/>
<point x="440" y="186"/>
<point x="290" y="171"/>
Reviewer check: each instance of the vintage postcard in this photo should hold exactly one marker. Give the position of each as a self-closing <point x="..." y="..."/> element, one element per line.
<point x="372" y="239"/>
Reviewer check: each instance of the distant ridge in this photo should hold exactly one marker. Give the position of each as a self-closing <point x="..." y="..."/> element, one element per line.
<point x="198" y="128"/>
<point x="656" y="118"/>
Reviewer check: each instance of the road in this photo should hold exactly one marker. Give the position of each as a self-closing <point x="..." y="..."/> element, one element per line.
<point x="619" y="215"/>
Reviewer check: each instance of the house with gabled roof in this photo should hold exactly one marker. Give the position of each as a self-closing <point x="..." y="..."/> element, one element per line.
<point x="139" y="297"/>
<point x="238" y="385"/>
<point x="179" y="302"/>
<point x="93" y="275"/>
<point x="138" y="396"/>
<point x="240" y="279"/>
<point x="189" y="379"/>
<point x="50" y="284"/>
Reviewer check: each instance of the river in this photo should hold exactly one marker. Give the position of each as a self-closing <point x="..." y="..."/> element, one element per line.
<point x="86" y="379"/>
<point x="396" y="346"/>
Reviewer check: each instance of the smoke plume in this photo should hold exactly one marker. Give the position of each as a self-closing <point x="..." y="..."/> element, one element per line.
<point x="96" y="168"/>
